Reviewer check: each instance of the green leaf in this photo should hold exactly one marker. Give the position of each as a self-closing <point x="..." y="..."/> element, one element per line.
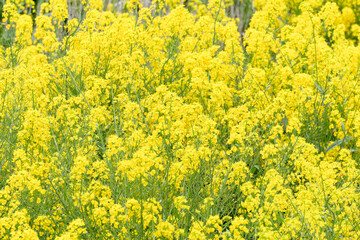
<point x="285" y="122"/>
<point x="319" y="87"/>
<point x="337" y="143"/>
<point x="343" y="127"/>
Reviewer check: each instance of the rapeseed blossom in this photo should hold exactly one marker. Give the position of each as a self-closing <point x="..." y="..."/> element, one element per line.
<point x="163" y="121"/>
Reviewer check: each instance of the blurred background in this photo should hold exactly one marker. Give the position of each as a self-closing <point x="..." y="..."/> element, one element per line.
<point x="242" y="10"/>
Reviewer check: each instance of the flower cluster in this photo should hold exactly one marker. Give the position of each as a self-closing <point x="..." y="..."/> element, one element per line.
<point x="164" y="122"/>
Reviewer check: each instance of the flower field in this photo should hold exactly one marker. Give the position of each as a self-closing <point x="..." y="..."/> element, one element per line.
<point x="168" y="120"/>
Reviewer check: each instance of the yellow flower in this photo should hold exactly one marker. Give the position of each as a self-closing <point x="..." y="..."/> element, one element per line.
<point x="165" y="230"/>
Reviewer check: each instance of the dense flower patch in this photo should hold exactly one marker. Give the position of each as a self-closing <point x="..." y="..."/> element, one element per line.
<point x="159" y="123"/>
